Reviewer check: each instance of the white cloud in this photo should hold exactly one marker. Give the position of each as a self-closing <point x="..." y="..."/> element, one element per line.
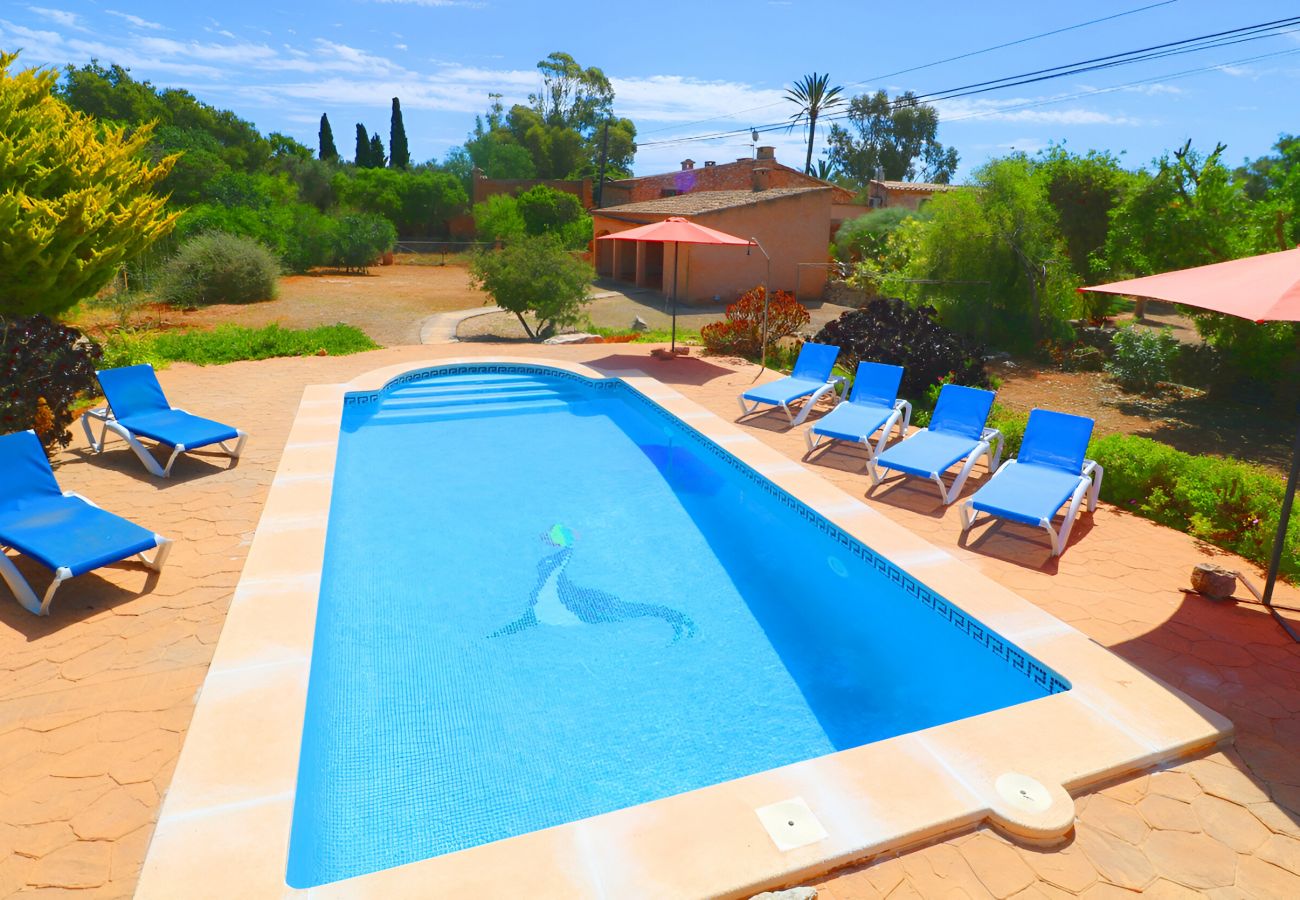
<point x="1026" y="110"/>
<point x="400" y="47"/>
<point x="136" y="20"/>
<point x="675" y="98"/>
<point x="58" y="16"/>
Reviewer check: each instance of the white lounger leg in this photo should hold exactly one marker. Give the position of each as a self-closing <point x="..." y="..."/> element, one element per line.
<point x="22" y="591"/>
<point x="808" y="403"/>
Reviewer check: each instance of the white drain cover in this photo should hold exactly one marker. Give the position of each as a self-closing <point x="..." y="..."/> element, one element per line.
<point x="1023" y="792"/>
<point x="791" y="824"/>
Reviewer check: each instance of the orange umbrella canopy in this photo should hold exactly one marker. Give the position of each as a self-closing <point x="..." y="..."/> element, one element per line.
<point x="1260" y="288"/>
<point x="675" y="230"/>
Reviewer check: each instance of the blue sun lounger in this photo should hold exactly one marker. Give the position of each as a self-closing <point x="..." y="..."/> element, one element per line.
<point x="811" y="379"/>
<point x="872" y="406"/>
<point x="956" y="432"/>
<point x="138" y="408"/>
<point x="63" y="531"/>
<point x="1049" y="472"/>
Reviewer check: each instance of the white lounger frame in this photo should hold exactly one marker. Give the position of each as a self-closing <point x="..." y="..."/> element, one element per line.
<point x="990" y="445"/>
<point x="27" y="597"/>
<point x="901" y="416"/>
<point x="1089" y="483"/>
<point x="105" y="416"/>
<point x="810" y="400"/>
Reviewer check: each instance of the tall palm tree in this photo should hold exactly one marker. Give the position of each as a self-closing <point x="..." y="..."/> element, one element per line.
<point x="814" y="96"/>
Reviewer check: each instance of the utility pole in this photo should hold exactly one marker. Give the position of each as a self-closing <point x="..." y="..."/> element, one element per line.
<point x="600" y="179"/>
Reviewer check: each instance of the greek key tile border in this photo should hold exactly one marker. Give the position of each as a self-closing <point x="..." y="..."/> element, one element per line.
<point x="1046" y="679"/>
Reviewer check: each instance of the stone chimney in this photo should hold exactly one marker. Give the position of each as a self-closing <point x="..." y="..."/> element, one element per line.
<point x="767" y="153"/>
<point x="709" y="164"/>
<point x="688" y="164"/>
<point x="761" y="177"/>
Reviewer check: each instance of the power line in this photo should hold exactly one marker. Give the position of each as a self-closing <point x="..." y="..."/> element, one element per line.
<point x="937" y="62"/>
<point x="1210" y="41"/>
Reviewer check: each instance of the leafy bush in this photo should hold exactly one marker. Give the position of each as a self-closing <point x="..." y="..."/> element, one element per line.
<point x="1142" y="357"/>
<point x="299" y="233"/>
<point x="76" y="198"/>
<point x="219" y="268"/>
<point x="497" y="219"/>
<point x="889" y="330"/>
<point x="1225" y="502"/>
<point x="44" y="368"/>
<point x="535" y="275"/>
<point x="866" y="237"/>
<point x="416" y="202"/>
<point x="741" y="332"/>
<point x="361" y="239"/>
<point x="231" y="343"/>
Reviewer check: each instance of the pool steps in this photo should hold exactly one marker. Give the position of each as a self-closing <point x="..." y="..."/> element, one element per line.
<point x="472" y="396"/>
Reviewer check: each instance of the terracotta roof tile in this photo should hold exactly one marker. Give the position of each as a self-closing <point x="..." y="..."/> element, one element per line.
<point x="697" y="202"/>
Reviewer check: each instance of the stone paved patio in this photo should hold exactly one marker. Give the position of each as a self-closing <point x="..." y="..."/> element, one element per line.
<point x="95" y="699"/>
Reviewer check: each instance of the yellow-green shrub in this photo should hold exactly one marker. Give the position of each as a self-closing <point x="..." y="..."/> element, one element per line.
<point x="76" y="200"/>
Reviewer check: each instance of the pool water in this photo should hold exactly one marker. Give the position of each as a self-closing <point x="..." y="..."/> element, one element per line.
<point x="544" y="599"/>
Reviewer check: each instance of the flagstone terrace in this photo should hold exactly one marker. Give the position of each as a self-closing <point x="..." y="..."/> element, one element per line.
<point x="95" y="700"/>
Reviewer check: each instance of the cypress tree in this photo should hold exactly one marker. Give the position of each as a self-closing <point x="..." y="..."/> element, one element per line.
<point x="399" y="154"/>
<point x="363" y="147"/>
<point x="328" y="151"/>
<point x="376" y="158"/>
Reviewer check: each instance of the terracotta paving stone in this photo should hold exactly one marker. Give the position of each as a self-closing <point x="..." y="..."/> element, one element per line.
<point x="1230" y="824"/>
<point x="95" y="699"/>
<point x="1195" y="860"/>
<point x="1168" y="814"/>
<point x="997" y="865"/>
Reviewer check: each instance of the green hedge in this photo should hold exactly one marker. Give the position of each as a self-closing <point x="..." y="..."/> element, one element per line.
<point x="1231" y="504"/>
<point x="230" y="343"/>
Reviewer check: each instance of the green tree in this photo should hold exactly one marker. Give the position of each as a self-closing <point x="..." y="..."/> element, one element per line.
<point x="814" y="96"/>
<point x="360" y="239"/>
<point x="560" y="133"/>
<point x="1190" y="212"/>
<point x="497" y="219"/>
<point x="535" y="275"/>
<point x="893" y="137"/>
<point x="993" y="258"/>
<point x="1083" y="189"/>
<point x="416" y="202"/>
<point x="546" y="210"/>
<point x="572" y="97"/>
<point x="113" y="95"/>
<point x="399" y="153"/>
<point x="77" y="200"/>
<point x="361" y="158"/>
<point x="376" y="157"/>
<point x="328" y="152"/>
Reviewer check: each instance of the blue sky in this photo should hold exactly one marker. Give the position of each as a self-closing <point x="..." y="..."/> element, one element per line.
<point x="682" y="69"/>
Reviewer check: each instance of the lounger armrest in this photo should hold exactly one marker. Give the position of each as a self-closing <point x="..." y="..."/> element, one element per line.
<point x="99" y="414"/>
<point x="991" y="435"/>
<point x="1094" y="472"/>
<point x="86" y="500"/>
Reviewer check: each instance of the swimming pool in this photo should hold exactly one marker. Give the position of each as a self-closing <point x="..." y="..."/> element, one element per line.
<point x="544" y="599"/>
<point x="224" y="829"/>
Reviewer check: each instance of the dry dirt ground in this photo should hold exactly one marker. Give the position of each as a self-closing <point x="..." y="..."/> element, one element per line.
<point x="617" y="306"/>
<point x="388" y="303"/>
<point x="1186" y="420"/>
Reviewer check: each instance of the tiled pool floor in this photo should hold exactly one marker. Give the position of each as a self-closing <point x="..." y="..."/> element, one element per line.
<point x="95" y="700"/>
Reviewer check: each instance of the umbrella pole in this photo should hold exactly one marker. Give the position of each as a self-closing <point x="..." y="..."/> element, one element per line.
<point x="1279" y="542"/>
<point x="676" y="250"/>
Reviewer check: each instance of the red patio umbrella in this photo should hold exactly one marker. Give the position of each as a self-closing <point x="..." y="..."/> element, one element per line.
<point x="1260" y="288"/>
<point x="676" y="230"/>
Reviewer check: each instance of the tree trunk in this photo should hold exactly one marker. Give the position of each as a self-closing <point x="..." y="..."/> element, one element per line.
<point x="520" y="317"/>
<point x="812" y="135"/>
